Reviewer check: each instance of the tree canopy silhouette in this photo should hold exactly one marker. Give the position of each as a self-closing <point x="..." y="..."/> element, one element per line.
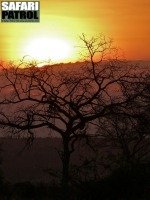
<point x="68" y="100"/>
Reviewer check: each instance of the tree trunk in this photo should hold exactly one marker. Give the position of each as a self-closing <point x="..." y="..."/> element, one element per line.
<point x="65" y="171"/>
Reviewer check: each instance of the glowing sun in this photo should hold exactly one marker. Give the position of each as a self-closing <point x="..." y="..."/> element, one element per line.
<point x="48" y="48"/>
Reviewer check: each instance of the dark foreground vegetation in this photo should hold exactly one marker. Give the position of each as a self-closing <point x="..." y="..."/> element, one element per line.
<point x="122" y="185"/>
<point x="103" y="104"/>
<point x="90" y="177"/>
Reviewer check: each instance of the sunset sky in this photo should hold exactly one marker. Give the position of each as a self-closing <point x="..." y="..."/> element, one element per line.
<point x="62" y="21"/>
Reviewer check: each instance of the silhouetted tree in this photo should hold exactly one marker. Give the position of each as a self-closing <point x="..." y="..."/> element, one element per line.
<point x="66" y="100"/>
<point x="127" y="131"/>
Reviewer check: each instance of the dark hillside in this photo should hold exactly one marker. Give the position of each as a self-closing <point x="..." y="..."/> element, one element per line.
<point x="32" y="164"/>
<point x="29" y="164"/>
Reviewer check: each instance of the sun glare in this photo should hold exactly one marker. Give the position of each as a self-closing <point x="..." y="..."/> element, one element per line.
<point x="49" y="48"/>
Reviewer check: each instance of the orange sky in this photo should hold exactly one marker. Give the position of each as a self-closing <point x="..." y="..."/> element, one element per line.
<point x="127" y="22"/>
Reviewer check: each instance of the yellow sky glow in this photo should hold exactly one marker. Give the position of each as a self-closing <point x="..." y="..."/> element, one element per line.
<point x="43" y="48"/>
<point x="62" y="21"/>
